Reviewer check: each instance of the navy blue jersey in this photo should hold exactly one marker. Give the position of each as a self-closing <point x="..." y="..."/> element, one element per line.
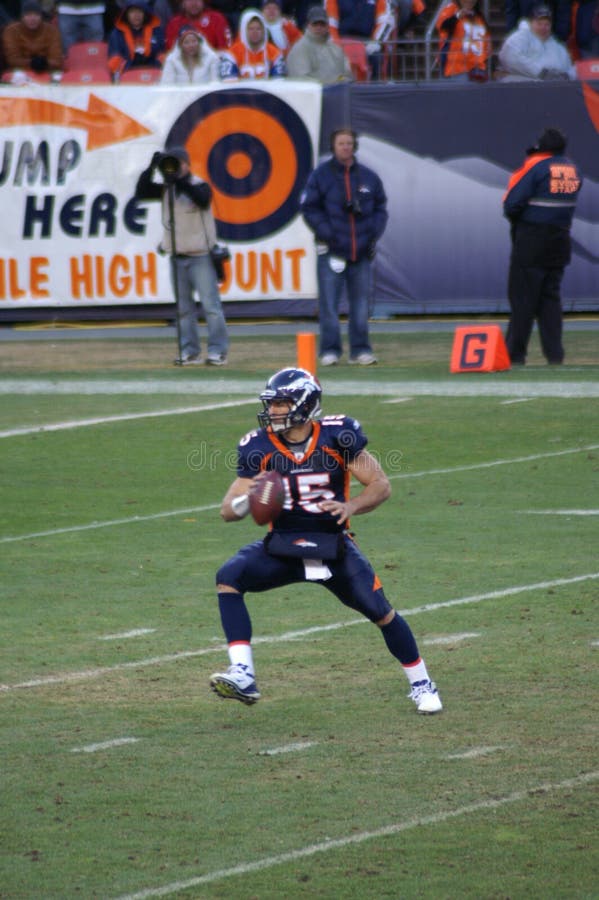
<point x="543" y="191"/>
<point x="315" y="472"/>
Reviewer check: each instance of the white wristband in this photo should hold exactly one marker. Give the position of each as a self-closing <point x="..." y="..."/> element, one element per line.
<point x="241" y="506"/>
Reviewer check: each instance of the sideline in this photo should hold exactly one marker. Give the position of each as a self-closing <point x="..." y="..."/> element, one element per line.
<point x="386" y="831"/>
<point x="88" y="674"/>
<point x="9" y="539"/>
<point x="460" y="386"/>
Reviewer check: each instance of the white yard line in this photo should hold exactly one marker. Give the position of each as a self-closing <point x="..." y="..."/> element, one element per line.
<point x="135" y="632"/>
<point x="105" y="745"/>
<point x="177" y="512"/>
<point x="70" y="529"/>
<point x="497" y="462"/>
<point x="124" y="417"/>
<point x="452" y="638"/>
<point x="101" y="672"/>
<point x="560" y="512"/>
<point x="534" y="791"/>
<point x="474" y="753"/>
<point x="289" y="748"/>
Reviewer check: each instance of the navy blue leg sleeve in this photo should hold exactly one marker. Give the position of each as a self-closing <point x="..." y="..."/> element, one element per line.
<point x="400" y="640"/>
<point x="235" y="617"/>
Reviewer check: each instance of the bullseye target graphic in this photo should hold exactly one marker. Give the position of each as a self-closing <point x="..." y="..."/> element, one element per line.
<point x="256" y="153"/>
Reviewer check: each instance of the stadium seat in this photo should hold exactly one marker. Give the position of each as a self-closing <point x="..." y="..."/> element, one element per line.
<point x="588" y="69"/>
<point x="140" y="76"/>
<point x="86" y="55"/>
<point x="90" y="75"/>
<point x="356" y="53"/>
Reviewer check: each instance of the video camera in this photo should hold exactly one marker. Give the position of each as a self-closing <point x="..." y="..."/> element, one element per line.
<point x="169" y="166"/>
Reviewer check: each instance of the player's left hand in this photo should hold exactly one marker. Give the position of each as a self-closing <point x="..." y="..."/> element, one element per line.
<point x="342" y="511"/>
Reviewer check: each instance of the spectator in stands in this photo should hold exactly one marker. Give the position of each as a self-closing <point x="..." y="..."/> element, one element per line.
<point x="561" y="11"/>
<point x="80" y="20"/>
<point x="252" y="55"/>
<point x="160" y="8"/>
<point x="191" y="61"/>
<point x="281" y="32"/>
<point x="370" y="21"/>
<point x="208" y="22"/>
<point x="586" y="29"/>
<point x="465" y="41"/>
<point x="533" y="52"/>
<point x="136" y="40"/>
<point x="316" y="55"/>
<point x="30" y="43"/>
<point x="231" y="10"/>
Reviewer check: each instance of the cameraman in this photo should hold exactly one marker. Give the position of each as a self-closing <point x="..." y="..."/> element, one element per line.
<point x="344" y="204"/>
<point x="194" y="252"/>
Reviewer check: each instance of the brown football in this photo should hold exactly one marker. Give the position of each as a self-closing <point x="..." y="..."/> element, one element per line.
<point x="267" y="497"/>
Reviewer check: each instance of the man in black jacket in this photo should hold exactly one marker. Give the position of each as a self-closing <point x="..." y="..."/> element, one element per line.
<point x="539" y="202"/>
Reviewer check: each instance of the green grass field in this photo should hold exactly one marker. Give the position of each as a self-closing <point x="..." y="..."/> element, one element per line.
<point x="123" y="776"/>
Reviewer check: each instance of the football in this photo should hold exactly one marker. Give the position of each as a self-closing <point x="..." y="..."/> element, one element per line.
<point x="267" y="497"/>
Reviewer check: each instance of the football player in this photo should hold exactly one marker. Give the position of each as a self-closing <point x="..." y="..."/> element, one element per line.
<point x="309" y="539"/>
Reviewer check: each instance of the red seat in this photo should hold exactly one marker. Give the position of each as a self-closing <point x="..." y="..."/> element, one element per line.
<point x="89" y="75"/>
<point x="588" y="69"/>
<point x="356" y="53"/>
<point x="86" y="55"/>
<point x="140" y="75"/>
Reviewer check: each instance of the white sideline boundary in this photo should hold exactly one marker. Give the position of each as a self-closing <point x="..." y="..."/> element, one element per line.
<point x="268" y="862"/>
<point x="9" y="539"/>
<point x="456" y="386"/>
<point x="87" y="674"/>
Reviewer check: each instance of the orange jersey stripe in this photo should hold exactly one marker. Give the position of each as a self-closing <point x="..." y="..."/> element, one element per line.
<point x="519" y="174"/>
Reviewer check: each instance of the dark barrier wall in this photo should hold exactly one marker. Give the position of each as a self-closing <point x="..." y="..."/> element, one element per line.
<point x="445" y="153"/>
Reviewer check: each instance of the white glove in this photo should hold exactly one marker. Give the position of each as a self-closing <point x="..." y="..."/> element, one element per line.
<point x="372" y="47"/>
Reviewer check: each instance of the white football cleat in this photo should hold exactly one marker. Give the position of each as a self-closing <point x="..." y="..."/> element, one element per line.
<point x="237" y="683"/>
<point x="426" y="697"/>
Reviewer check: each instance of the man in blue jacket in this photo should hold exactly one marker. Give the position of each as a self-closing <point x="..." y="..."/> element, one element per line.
<point x="345" y="205"/>
<point x="539" y="202"/>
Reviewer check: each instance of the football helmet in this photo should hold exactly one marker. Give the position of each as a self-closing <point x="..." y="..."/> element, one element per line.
<point x="300" y="389"/>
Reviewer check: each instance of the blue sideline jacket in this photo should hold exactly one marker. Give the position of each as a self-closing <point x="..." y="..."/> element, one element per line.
<point x="346" y="208"/>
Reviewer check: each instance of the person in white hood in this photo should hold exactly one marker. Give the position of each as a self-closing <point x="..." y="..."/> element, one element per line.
<point x="533" y="52"/>
<point x="191" y="61"/>
<point x="252" y="55"/>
